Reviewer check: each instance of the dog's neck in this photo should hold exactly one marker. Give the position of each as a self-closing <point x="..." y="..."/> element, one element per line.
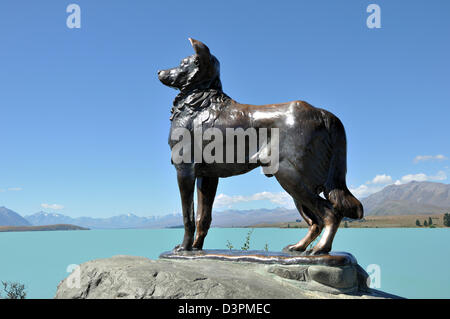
<point x="195" y="100"/>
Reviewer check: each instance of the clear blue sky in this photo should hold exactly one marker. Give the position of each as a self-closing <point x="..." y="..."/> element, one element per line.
<point x="84" y="119"/>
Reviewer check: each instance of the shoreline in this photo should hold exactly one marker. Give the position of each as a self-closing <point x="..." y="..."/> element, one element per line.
<point x="385" y="221"/>
<point x="58" y="227"/>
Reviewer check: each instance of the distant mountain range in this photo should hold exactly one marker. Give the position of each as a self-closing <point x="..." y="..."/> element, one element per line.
<point x="120" y="221"/>
<point x="227" y="218"/>
<point x="11" y="218"/>
<point x="407" y="199"/>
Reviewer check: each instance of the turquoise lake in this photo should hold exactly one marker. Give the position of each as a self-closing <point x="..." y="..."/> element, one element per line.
<point x="413" y="263"/>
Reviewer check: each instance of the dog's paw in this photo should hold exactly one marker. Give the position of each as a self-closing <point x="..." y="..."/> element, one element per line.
<point x="313" y="252"/>
<point x="180" y="248"/>
<point x="177" y="248"/>
<point x="292" y="249"/>
<point x="307" y="252"/>
<point x="287" y="249"/>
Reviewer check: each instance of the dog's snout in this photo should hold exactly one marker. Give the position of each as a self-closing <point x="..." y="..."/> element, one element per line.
<point x="161" y="74"/>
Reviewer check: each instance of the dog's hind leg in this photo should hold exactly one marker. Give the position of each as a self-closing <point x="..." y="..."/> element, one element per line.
<point x="206" y="191"/>
<point x="314" y="230"/>
<point x="186" y="184"/>
<point x="331" y="221"/>
<point x="306" y="201"/>
<point x="320" y="211"/>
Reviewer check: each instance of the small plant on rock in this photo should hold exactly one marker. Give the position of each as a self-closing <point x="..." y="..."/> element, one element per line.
<point x="246" y="245"/>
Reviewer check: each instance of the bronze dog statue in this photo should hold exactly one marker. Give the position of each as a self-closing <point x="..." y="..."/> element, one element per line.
<point x="312" y="152"/>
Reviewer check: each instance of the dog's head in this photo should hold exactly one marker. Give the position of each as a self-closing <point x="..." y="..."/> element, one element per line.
<point x="198" y="71"/>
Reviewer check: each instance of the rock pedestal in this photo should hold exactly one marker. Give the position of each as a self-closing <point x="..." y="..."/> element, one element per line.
<point x="334" y="273"/>
<point x="220" y="275"/>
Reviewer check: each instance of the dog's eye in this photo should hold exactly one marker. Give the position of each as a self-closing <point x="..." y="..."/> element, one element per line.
<point x="196" y="62"/>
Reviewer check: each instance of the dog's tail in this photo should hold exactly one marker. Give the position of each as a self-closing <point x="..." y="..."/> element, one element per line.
<point x="336" y="190"/>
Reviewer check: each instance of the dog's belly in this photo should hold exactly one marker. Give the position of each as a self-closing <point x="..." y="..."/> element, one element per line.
<point x="223" y="169"/>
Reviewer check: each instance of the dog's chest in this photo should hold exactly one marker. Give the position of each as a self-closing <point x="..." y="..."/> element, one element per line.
<point x="186" y="122"/>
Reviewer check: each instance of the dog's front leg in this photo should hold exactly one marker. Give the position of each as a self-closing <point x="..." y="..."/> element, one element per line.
<point x="206" y="191"/>
<point x="186" y="184"/>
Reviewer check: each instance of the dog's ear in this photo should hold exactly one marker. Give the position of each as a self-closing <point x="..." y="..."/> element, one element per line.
<point x="199" y="47"/>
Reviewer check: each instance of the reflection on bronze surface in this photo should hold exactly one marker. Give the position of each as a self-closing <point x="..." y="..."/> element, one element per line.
<point x="312" y="152"/>
<point x="261" y="257"/>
